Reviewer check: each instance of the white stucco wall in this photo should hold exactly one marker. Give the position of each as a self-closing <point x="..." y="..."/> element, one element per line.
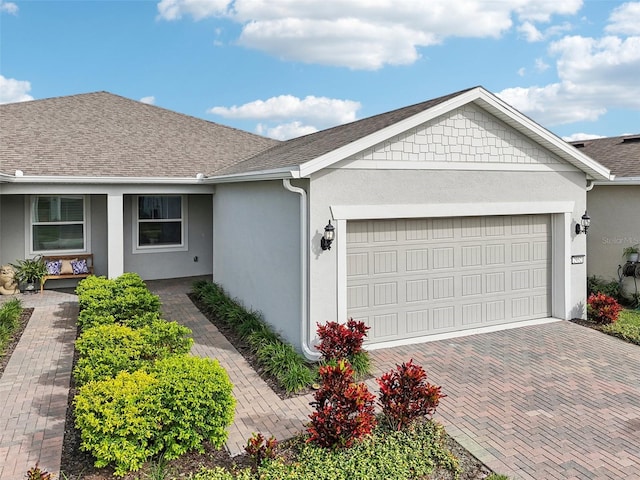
<point x="615" y="224"/>
<point x="158" y="265"/>
<point x="427" y="187"/>
<point x="256" y="244"/>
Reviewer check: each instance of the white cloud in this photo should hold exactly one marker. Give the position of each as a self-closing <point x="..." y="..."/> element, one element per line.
<point x="8" y="7"/>
<point x="594" y="75"/>
<point x="541" y="65"/>
<point x="287" y="116"/>
<point x="361" y="34"/>
<point x="12" y="90"/>
<point x="150" y="100"/>
<point x="299" y="114"/>
<point x="625" y="19"/>
<point x="285" y="131"/>
<point x="530" y="32"/>
<point x="198" y="9"/>
<point x="522" y="71"/>
<point x="574" y="137"/>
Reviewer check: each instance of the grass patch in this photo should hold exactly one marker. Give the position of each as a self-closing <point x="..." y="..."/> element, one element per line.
<point x="627" y="327"/>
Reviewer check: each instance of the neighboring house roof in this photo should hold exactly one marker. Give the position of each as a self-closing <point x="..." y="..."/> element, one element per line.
<point x="302" y="156"/>
<point x="620" y="154"/>
<point x="105" y="135"/>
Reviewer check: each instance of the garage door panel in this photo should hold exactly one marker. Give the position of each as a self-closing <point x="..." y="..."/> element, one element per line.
<point x="446" y="274"/>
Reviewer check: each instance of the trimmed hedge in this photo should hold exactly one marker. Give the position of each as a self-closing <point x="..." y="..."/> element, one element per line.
<point x="170" y="408"/>
<point x="106" y="350"/>
<point x="140" y="394"/>
<point x="124" y="300"/>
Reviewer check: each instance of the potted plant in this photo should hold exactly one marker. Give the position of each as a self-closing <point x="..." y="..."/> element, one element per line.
<point x="30" y="271"/>
<point x="631" y="253"/>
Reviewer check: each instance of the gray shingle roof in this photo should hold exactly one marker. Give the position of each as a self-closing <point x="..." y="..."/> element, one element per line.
<point x="302" y="149"/>
<point x="106" y="135"/>
<point x="619" y="154"/>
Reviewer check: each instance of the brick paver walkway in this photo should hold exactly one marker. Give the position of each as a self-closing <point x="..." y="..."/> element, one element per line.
<point x="554" y="401"/>
<point x="35" y="386"/>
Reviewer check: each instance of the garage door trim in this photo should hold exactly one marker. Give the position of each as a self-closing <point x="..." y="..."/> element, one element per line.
<point x="561" y="222"/>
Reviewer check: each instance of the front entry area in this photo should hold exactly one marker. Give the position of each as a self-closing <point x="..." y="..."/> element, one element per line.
<point x="421" y="276"/>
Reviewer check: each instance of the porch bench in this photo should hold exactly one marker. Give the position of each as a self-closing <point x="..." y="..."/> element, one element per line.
<point x="65" y="266"/>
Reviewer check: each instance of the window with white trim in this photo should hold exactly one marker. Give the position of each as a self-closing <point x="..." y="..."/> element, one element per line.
<point x="58" y="223"/>
<point x="160" y="222"/>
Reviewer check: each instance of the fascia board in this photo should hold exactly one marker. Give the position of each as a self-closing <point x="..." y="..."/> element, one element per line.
<point x="341" y="153"/>
<point x="275" y="174"/>
<point x="620" y="181"/>
<point x="31" y="179"/>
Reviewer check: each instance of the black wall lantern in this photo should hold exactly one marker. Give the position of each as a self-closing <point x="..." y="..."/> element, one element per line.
<point x="584" y="224"/>
<point x="327" y="238"/>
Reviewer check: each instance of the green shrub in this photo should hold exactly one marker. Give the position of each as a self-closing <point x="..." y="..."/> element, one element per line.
<point x="197" y="402"/>
<point x="169" y="408"/>
<point x="106" y="350"/>
<point x="119" y="420"/>
<point x="124" y="300"/>
<point x="596" y="284"/>
<point x="286" y="365"/>
<point x="9" y="321"/>
<point x="278" y="358"/>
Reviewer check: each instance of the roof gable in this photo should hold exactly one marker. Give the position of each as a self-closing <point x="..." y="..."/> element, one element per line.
<point x="105" y="135"/>
<point x="306" y="155"/>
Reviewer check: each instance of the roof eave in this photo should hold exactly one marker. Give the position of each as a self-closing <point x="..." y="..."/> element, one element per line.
<point x="620" y="181"/>
<point x="272" y="174"/>
<point x="53" y="179"/>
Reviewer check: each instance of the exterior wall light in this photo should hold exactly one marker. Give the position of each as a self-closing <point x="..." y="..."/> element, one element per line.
<point x="327" y="238"/>
<point x="584" y="224"/>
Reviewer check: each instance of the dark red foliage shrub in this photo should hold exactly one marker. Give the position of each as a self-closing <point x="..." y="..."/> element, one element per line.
<point x="345" y="411"/>
<point x="260" y="448"/>
<point x="405" y="395"/>
<point x="602" y="308"/>
<point x="339" y="340"/>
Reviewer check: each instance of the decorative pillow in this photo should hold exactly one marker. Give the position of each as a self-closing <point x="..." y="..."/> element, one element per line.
<point x="53" y="267"/>
<point x="66" y="268"/>
<point x="79" y="266"/>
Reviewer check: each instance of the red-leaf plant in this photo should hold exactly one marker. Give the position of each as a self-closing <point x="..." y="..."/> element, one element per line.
<point x="405" y="395"/>
<point x="259" y="448"/>
<point x="339" y="340"/>
<point x="345" y="411"/>
<point x="602" y="308"/>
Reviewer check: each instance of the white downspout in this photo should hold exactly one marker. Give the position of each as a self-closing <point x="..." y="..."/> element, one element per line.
<point x="304" y="280"/>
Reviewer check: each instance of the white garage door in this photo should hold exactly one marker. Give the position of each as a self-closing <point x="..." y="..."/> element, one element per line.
<point x="415" y="277"/>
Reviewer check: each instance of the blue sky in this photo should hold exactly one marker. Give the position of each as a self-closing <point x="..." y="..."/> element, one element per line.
<point x="283" y="68"/>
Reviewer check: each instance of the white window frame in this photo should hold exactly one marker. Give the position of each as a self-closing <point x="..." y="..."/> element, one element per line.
<point x="86" y="225"/>
<point x="184" y="244"/>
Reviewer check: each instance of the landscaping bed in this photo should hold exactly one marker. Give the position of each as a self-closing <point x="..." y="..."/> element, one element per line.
<point x="78" y="465"/>
<point x="14" y="338"/>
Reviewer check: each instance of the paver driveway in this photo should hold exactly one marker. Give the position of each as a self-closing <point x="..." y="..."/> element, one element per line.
<point x="540" y="402"/>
